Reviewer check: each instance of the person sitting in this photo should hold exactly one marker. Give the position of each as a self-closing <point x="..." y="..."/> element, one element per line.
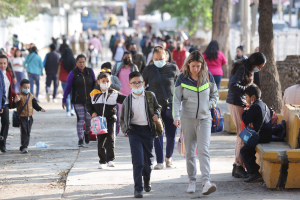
<point x="291" y="95"/>
<point x="256" y="117"/>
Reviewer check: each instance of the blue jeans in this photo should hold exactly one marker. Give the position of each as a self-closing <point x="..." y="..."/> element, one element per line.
<point x="117" y="123"/>
<point x="170" y="131"/>
<point x="218" y="79"/>
<point x="34" y="78"/>
<point x="68" y="100"/>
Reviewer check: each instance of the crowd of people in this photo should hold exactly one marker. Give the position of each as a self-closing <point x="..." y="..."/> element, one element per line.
<point x="173" y="79"/>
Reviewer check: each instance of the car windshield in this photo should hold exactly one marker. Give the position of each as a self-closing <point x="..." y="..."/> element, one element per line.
<point x="278" y="26"/>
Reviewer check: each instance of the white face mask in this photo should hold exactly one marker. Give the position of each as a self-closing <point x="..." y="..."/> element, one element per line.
<point x="120" y="45"/>
<point x="104" y="86"/>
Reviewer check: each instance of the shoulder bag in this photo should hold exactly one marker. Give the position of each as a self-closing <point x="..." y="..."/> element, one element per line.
<point x="249" y="135"/>
<point x="16" y="116"/>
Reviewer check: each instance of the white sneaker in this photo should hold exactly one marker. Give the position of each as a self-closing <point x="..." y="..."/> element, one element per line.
<point x="54" y="100"/>
<point x="159" y="166"/>
<point x="101" y="166"/>
<point x="192" y="187"/>
<point x="110" y="164"/>
<point x="209" y="188"/>
<point x="72" y="112"/>
<point x="68" y="114"/>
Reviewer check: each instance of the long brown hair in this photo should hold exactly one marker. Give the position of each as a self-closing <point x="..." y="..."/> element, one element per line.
<point x="203" y="73"/>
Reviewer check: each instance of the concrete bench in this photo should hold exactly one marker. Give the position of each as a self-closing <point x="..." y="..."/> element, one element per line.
<point x="223" y="94"/>
<point x="224" y="83"/>
<point x="291" y="115"/>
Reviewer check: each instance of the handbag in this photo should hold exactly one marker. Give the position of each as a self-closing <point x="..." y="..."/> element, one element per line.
<point x="169" y="105"/>
<point x="99" y="123"/>
<point x="16" y="116"/>
<point x="159" y="125"/>
<point x="249" y="135"/>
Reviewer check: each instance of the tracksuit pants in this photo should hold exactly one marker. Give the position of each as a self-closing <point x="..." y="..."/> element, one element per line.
<point x="141" y="140"/>
<point x="197" y="132"/>
<point x="82" y="117"/>
<point x="25" y="128"/>
<point x="51" y="78"/>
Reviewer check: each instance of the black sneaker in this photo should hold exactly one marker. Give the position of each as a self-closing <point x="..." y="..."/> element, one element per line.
<point x="240" y="172"/>
<point x="3" y="150"/>
<point x="80" y="143"/>
<point x="25" y="150"/>
<point x="87" y="138"/>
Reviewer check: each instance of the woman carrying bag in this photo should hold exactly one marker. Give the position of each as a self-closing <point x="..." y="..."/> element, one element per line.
<point x="161" y="79"/>
<point x="197" y="92"/>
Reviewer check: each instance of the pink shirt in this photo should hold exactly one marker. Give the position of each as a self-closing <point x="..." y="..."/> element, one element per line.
<point x="97" y="44"/>
<point x="124" y="79"/>
<point x="215" y="66"/>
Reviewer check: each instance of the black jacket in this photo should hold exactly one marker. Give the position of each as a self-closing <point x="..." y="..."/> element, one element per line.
<point x="51" y="65"/>
<point x="83" y="84"/>
<point x="96" y="102"/>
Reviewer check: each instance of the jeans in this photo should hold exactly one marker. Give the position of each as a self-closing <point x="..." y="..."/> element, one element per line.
<point x="170" y="131"/>
<point x="141" y="146"/>
<point x="49" y="79"/>
<point x="117" y="123"/>
<point x="4" y="126"/>
<point x="68" y="100"/>
<point x="218" y="79"/>
<point x="34" y="78"/>
<point x="19" y="76"/>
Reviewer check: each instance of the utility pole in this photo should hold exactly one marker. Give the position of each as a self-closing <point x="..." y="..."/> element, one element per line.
<point x="279" y="10"/>
<point x="245" y="25"/>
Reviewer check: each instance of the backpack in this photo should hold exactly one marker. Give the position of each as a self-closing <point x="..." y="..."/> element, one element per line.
<point x="217" y="120"/>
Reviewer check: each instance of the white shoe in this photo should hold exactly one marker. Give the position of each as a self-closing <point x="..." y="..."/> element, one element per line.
<point x="209" y="188"/>
<point x="101" y="166"/>
<point x="72" y="112"/>
<point x="68" y="114"/>
<point x="54" y="100"/>
<point x="192" y="187"/>
<point x="110" y="164"/>
<point x="159" y="166"/>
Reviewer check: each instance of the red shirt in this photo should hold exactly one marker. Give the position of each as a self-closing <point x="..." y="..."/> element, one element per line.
<point x="179" y="57"/>
<point x="215" y="66"/>
<point x="63" y="73"/>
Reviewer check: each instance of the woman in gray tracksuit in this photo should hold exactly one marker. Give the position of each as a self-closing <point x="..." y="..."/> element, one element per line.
<point x="197" y="91"/>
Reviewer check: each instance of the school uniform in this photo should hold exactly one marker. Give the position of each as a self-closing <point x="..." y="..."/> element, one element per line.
<point x="135" y="120"/>
<point x="106" y="142"/>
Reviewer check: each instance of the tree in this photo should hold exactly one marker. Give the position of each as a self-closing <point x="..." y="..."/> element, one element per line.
<point x="15" y="8"/>
<point x="269" y="78"/>
<point x="189" y="12"/>
<point x="221" y="27"/>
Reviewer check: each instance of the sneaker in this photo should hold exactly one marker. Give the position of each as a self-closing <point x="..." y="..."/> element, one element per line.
<point x="110" y="164"/>
<point x="48" y="97"/>
<point x="68" y="114"/>
<point x="54" y="100"/>
<point x="101" y="166"/>
<point x="192" y="187"/>
<point x="24" y="150"/>
<point x="169" y="163"/>
<point x="80" y="143"/>
<point x="209" y="188"/>
<point x="159" y="166"/>
<point x="72" y="112"/>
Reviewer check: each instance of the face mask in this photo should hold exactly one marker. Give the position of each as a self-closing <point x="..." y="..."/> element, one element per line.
<point x="120" y="45"/>
<point x="127" y="61"/>
<point x="252" y="101"/>
<point x="159" y="63"/>
<point x="104" y="86"/>
<point x="133" y="52"/>
<point x="138" y="91"/>
<point x="178" y="48"/>
<point x="256" y="69"/>
<point x="168" y="56"/>
<point x="26" y="91"/>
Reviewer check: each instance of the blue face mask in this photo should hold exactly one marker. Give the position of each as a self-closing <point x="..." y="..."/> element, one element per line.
<point x="159" y="63"/>
<point x="133" y="52"/>
<point x="168" y="56"/>
<point x="26" y="91"/>
<point x="256" y="70"/>
<point x="138" y="91"/>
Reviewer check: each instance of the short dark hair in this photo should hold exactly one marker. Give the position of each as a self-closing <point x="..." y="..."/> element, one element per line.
<point x="52" y="47"/>
<point x="135" y="74"/>
<point x="106" y="65"/>
<point x="126" y="52"/>
<point x="24" y="81"/>
<point x="80" y="56"/>
<point x="241" y="48"/>
<point x="4" y="56"/>
<point x="103" y="75"/>
<point x="253" y="90"/>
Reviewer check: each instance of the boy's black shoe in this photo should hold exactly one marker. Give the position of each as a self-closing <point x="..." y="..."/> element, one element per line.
<point x="80" y="143"/>
<point x="138" y="194"/>
<point x="240" y="172"/>
<point x="255" y="177"/>
<point x="87" y="138"/>
<point x="147" y="184"/>
<point x="25" y="150"/>
<point x="3" y="150"/>
<point x="233" y="170"/>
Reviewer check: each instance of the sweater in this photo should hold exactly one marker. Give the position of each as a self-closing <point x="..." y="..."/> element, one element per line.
<point x="34" y="64"/>
<point x="51" y="62"/>
<point x="168" y="74"/>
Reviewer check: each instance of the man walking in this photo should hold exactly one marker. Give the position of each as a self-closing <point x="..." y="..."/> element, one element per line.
<point x="137" y="58"/>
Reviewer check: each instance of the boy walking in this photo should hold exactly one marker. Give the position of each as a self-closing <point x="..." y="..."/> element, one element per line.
<point x="25" y="108"/>
<point x="135" y="120"/>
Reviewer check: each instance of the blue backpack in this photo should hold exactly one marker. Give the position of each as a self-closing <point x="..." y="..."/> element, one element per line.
<point x="217" y="120"/>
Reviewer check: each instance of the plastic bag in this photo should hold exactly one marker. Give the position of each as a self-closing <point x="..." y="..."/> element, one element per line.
<point x="41" y="145"/>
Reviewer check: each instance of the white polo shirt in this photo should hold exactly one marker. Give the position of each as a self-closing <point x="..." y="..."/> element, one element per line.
<point x="139" y="110"/>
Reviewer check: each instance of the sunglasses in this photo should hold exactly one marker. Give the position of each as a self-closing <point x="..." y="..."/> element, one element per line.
<point x="107" y="70"/>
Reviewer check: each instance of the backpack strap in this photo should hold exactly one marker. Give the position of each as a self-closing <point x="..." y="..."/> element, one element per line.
<point x="118" y="66"/>
<point x="150" y="103"/>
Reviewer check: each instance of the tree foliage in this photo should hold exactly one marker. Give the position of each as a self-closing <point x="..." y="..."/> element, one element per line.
<point x="15" y="8"/>
<point x="192" y="10"/>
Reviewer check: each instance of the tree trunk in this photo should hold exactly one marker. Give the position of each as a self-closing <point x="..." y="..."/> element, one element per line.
<point x="269" y="78"/>
<point x="220" y="29"/>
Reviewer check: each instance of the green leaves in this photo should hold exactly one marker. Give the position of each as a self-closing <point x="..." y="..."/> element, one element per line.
<point x="15" y="8"/>
<point x="194" y="11"/>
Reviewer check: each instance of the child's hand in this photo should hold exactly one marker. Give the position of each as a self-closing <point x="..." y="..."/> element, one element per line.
<point x="1" y="111"/>
<point x="155" y="118"/>
<point x="177" y="123"/>
<point x="17" y="98"/>
<point x="64" y="105"/>
<point x="94" y="115"/>
<point x="43" y="110"/>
